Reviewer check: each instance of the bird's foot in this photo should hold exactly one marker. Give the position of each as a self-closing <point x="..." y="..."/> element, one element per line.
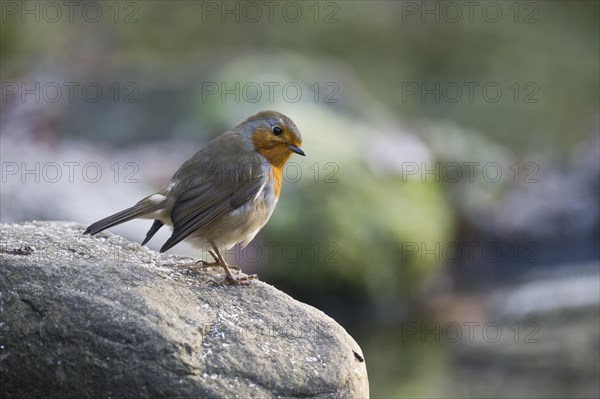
<point x="230" y="279"/>
<point x="202" y="263"/>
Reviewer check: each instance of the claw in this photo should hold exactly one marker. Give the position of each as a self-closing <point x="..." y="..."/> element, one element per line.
<point x="229" y="279"/>
<point x="203" y="263"/>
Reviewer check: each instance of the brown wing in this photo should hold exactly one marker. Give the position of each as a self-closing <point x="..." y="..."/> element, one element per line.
<point x="210" y="194"/>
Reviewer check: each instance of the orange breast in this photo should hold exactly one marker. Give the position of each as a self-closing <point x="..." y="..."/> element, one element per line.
<point x="274" y="152"/>
<point x="277" y="173"/>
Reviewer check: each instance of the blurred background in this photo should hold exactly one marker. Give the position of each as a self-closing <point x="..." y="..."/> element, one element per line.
<point x="446" y="213"/>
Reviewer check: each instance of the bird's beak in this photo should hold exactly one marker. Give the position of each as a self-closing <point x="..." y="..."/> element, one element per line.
<point x="297" y="150"/>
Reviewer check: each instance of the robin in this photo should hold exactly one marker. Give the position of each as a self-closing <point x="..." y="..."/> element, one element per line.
<point x="225" y="193"/>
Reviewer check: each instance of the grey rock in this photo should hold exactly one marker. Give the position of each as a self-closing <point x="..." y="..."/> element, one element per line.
<point x="99" y="316"/>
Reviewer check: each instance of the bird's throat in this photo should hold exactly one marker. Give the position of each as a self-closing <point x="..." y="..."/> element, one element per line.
<point x="276" y="154"/>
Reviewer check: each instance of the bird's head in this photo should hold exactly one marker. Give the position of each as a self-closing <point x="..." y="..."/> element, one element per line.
<point x="274" y="136"/>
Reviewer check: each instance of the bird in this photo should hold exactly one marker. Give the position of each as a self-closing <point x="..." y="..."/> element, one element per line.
<point x="225" y="193"/>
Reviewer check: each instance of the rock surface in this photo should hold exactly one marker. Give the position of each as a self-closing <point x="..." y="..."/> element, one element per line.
<point x="99" y="316"/>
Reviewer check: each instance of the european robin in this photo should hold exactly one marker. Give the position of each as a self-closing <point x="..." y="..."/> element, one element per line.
<point x="225" y="193"/>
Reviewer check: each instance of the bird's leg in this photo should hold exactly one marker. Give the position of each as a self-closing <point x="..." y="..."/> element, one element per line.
<point x="229" y="278"/>
<point x="218" y="263"/>
<point x="203" y="263"/>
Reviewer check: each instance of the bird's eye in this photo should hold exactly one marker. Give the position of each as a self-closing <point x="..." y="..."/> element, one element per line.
<point x="277" y="131"/>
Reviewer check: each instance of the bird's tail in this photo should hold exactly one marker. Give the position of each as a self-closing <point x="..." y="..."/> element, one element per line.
<point x="142" y="208"/>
